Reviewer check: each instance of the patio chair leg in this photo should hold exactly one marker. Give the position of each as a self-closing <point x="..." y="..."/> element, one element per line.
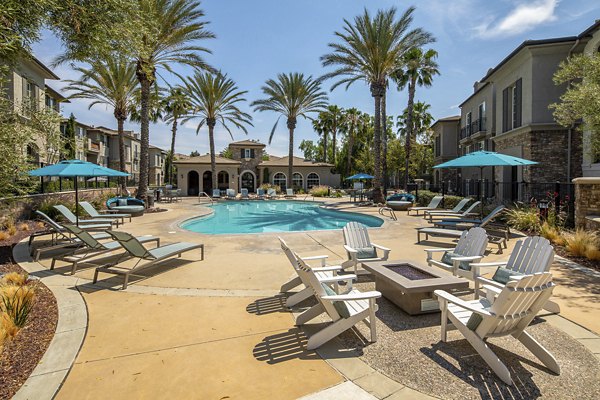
<point x="540" y="352"/>
<point x="444" y="322"/>
<point x="74" y="268"/>
<point x="95" y="276"/>
<point x="476" y="285"/>
<point x="373" y="320"/>
<point x="125" y="281"/>
<point x="52" y="263"/>
<point x="286" y="287"/>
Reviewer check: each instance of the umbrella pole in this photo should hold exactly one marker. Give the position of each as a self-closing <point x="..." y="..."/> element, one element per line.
<point x="76" y="199"/>
<point x="481" y="192"/>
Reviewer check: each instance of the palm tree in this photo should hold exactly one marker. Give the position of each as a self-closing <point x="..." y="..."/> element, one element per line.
<point x="370" y="51"/>
<point x="214" y="98"/>
<point x="418" y="68"/>
<point x="291" y="95"/>
<point x="169" y="29"/>
<point x="113" y="83"/>
<point x="352" y="121"/>
<point x="335" y="116"/>
<point x="176" y="105"/>
<point x="321" y="126"/>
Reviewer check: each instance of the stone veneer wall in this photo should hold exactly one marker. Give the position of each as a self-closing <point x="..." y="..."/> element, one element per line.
<point x="587" y="201"/>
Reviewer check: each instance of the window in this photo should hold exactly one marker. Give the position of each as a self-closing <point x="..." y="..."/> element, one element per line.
<point x="30" y="94"/>
<point x="512" y="99"/>
<point x="247" y="153"/>
<point x="280" y="180"/>
<point x="312" y="180"/>
<point x="482" y="120"/>
<point x="297" y="181"/>
<point x="438" y="146"/>
<point x="468" y="123"/>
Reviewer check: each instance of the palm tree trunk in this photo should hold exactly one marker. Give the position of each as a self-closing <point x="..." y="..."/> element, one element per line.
<point x="122" y="167"/>
<point x="384" y="140"/>
<point x="172" y="154"/>
<point x="146" y="82"/>
<point x="376" y="90"/>
<point x="409" y="129"/>
<point x="333" y="141"/>
<point x="213" y="162"/>
<point x="291" y="124"/>
<point x="350" y="146"/>
<point x="325" y="134"/>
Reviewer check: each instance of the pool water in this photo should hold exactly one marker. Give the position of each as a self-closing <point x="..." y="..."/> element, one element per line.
<point x="274" y="216"/>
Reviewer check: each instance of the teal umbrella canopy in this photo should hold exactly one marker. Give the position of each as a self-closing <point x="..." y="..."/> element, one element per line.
<point x="360" y="176"/>
<point x="74" y="168"/>
<point x="485" y="159"/>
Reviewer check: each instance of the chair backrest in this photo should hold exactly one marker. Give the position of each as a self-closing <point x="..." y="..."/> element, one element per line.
<point x="216" y="193"/>
<point x="461" y="204"/>
<point x="244" y="192"/>
<point x="310" y="280"/>
<point x="260" y="192"/>
<point x="131" y="245"/>
<point x="289" y="192"/>
<point x="289" y="253"/>
<point x="488" y="218"/>
<point x="517" y="305"/>
<point x="272" y="192"/>
<point x="50" y="221"/>
<point x="471" y="208"/>
<point x="84" y="236"/>
<point x="230" y="193"/>
<point x="66" y="213"/>
<point x="472" y="243"/>
<point x="88" y="208"/>
<point x="356" y="235"/>
<point x="435" y="202"/>
<point x="534" y="254"/>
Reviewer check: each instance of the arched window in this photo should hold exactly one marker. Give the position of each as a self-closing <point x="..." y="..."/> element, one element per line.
<point x="280" y="180"/>
<point x="223" y="180"/>
<point x="312" y="180"/>
<point x="297" y="181"/>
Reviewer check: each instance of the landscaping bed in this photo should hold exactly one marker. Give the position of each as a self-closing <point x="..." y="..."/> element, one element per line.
<point x="21" y="354"/>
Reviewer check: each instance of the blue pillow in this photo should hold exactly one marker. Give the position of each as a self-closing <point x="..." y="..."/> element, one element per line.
<point x="474" y="321"/>
<point x="502" y="275"/>
<point x="447" y="259"/>
<point x="340" y="306"/>
<point x="367" y="252"/>
<point x="121" y="202"/>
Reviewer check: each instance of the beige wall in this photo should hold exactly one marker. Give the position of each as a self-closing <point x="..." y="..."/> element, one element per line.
<point x="183" y="177"/>
<point x="325" y="175"/>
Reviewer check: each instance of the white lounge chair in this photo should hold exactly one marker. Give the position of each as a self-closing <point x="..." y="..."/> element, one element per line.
<point x="359" y="247"/>
<point x="271" y="193"/>
<point x="245" y="194"/>
<point x="260" y="193"/>
<point x="231" y="194"/>
<point x="135" y="249"/>
<point x="326" y="274"/>
<point x="72" y="218"/>
<point x="499" y="241"/>
<point x="216" y="194"/>
<point x="470" y="248"/>
<point x="90" y="247"/>
<point x="289" y="193"/>
<point x="467" y="223"/>
<point x="509" y="314"/>
<point x="431" y="215"/>
<point x="104" y="214"/>
<point x="345" y="310"/>
<point x="433" y="204"/>
<point x="459" y="206"/>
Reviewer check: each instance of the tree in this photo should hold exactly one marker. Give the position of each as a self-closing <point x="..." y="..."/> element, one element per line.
<point x="70" y="147"/>
<point x="168" y="29"/>
<point x="195" y="153"/>
<point x="309" y="149"/>
<point x="112" y="82"/>
<point x="214" y="99"/>
<point x="292" y="96"/>
<point x="176" y="105"/>
<point x="421" y="120"/>
<point x="418" y="68"/>
<point x="351" y="125"/>
<point x="227" y="153"/>
<point x="321" y="126"/>
<point x="370" y="51"/>
<point x="581" y="100"/>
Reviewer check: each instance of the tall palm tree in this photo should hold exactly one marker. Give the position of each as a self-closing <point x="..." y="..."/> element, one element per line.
<point x="335" y="116"/>
<point x="214" y="99"/>
<point x="369" y="50"/>
<point x="291" y="95"/>
<point x="418" y="68"/>
<point x="169" y="30"/>
<point x="351" y="125"/>
<point x="321" y="126"/>
<point x="176" y="105"/>
<point x="114" y="83"/>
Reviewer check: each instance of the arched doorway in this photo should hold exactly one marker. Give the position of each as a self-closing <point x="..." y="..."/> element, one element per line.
<point x="193" y="183"/>
<point x="247" y="181"/>
<point x="223" y="180"/>
<point x="207" y="184"/>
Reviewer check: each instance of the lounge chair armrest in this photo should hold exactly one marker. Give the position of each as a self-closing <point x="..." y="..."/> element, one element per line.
<point x="353" y="296"/>
<point x="461" y="303"/>
<point x="494" y="289"/>
<point x="380" y="247"/>
<point x="350" y="250"/>
<point x="338" y="278"/>
<point x="314" y="257"/>
<point x="467" y="258"/>
<point x="329" y="268"/>
<point x="488" y="282"/>
<point x="439" y="249"/>
<point x="491" y="264"/>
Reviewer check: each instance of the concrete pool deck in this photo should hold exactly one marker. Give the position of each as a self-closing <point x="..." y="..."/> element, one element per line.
<point x="217" y="329"/>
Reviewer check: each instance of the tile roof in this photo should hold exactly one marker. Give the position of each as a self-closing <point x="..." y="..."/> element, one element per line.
<point x="298" y="162"/>
<point x="205" y="159"/>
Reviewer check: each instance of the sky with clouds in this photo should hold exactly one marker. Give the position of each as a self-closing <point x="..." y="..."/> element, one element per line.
<point x="258" y="39"/>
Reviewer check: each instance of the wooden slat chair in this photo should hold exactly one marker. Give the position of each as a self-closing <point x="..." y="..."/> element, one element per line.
<point x="431" y="215"/>
<point x="531" y="255"/>
<point x="326" y="274"/>
<point x="513" y="310"/>
<point x="345" y="310"/>
<point x="459" y="206"/>
<point x="94" y="214"/>
<point x="359" y="247"/>
<point x="469" y="248"/>
<point x="69" y="216"/>
<point x="433" y="204"/>
<point x="90" y="247"/>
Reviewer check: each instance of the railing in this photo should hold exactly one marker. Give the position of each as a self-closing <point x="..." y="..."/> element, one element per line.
<point x="307" y="196"/>
<point x="204" y="194"/>
<point x="479" y="125"/>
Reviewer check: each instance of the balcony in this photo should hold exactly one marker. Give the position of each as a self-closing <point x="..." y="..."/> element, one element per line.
<point x="93" y="147"/>
<point x="476" y="127"/>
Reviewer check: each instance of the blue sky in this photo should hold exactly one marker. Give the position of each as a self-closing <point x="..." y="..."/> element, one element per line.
<point x="260" y="38"/>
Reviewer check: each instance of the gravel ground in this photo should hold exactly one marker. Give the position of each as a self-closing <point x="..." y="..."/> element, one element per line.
<point x="409" y="351"/>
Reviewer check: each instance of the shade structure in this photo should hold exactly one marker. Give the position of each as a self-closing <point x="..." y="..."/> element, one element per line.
<point x="75" y="169"/>
<point x="360" y="176"/>
<point x="485" y="159"/>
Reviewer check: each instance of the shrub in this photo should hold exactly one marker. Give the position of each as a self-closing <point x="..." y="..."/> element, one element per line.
<point x="4" y="236"/>
<point x="593" y="254"/>
<point x="524" y="219"/>
<point x="23" y="226"/>
<point x="267" y="186"/>
<point x="14" y="278"/>
<point x="425" y="197"/>
<point x="319" y="191"/>
<point x="8" y="329"/>
<point x="552" y="233"/>
<point x="581" y="242"/>
<point x="17" y="302"/>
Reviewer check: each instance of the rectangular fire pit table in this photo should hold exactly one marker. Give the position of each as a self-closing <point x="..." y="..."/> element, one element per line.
<point x="410" y="286"/>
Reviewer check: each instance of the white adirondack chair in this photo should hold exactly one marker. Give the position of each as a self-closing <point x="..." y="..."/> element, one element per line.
<point x="357" y="243"/>
<point x="351" y="308"/>
<point x="325" y="273"/>
<point x="470" y="248"/>
<point x="513" y="310"/>
<point x="534" y="254"/>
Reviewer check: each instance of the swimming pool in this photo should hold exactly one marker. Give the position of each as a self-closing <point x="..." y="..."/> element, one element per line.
<point x="273" y="216"/>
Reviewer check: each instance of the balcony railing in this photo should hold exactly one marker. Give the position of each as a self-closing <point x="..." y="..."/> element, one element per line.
<point x="479" y="125"/>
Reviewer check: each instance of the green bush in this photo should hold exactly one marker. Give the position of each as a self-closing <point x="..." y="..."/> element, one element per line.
<point x="425" y="197"/>
<point x="524" y="219"/>
<point x="267" y="186"/>
<point x="319" y="191"/>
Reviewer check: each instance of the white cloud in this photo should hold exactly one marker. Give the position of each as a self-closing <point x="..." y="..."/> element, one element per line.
<point x="526" y="16"/>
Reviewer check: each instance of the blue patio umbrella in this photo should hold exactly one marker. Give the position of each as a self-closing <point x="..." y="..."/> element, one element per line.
<point x="74" y="169"/>
<point x="360" y="176"/>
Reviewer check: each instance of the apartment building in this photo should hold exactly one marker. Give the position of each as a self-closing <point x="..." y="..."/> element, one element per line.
<point x="156" y="166"/>
<point x="446" y="133"/>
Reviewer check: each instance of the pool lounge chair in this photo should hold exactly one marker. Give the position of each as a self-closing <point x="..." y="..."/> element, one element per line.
<point x="94" y="214"/>
<point x="469" y="248"/>
<point x="510" y="313"/>
<point x="446" y="214"/>
<point x="271" y="193"/>
<point x="289" y="193"/>
<point x="135" y="249"/>
<point x="216" y="194"/>
<point x="231" y="195"/>
<point x="345" y="310"/>
<point x="500" y="241"/>
<point x="462" y="222"/>
<point x="433" y="204"/>
<point x="69" y="216"/>
<point x="60" y="236"/>
<point x="260" y="194"/>
<point x="244" y="193"/>
<point x="90" y="247"/>
<point x="459" y="206"/>
<point x="359" y="247"/>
